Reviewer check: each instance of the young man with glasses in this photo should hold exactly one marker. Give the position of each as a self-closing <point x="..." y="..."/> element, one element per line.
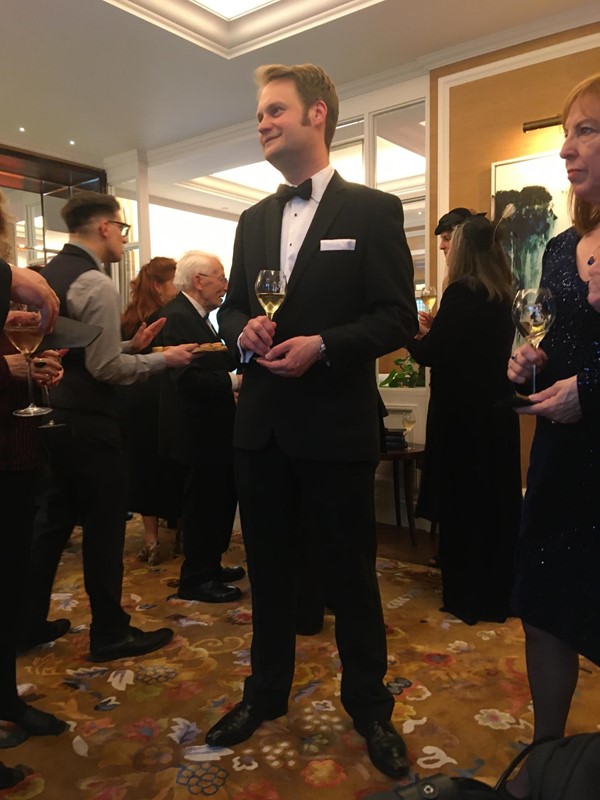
<point x="88" y="474"/>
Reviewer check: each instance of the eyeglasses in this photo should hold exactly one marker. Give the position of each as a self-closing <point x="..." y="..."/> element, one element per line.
<point x="221" y="278"/>
<point x="122" y="225"/>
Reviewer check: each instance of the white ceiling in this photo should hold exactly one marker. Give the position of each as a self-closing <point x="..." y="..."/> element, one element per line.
<point x="114" y="81"/>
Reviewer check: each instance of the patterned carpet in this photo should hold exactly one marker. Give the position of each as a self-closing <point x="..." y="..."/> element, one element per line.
<point x="137" y="727"/>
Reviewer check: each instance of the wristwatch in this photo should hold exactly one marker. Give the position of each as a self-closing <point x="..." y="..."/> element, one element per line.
<point x="322" y="353"/>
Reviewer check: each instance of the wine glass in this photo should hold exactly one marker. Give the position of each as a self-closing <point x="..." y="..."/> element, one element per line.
<point x="23" y="328"/>
<point x="408" y="420"/>
<point x="429" y="297"/>
<point x="52" y="423"/>
<point x="270" y="289"/>
<point x="533" y="313"/>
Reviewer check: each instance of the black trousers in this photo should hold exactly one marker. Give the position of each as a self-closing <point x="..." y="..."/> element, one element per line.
<point x="88" y="486"/>
<point x="286" y="503"/>
<point x="209" y="503"/>
<point x="17" y="503"/>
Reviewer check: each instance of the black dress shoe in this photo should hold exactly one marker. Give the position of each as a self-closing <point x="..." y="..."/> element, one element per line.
<point x="231" y="574"/>
<point x="48" y="631"/>
<point x="238" y="725"/>
<point x="40" y="723"/>
<point x="10" y="776"/>
<point x="210" y="592"/>
<point x="386" y="747"/>
<point x="135" y="643"/>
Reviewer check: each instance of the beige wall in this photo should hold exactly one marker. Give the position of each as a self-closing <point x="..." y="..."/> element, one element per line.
<point x="485" y="124"/>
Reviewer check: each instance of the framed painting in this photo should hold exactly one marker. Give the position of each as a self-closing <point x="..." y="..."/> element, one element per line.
<point x="538" y="187"/>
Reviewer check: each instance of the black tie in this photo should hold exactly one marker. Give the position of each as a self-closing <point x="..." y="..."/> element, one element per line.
<point x="285" y="193"/>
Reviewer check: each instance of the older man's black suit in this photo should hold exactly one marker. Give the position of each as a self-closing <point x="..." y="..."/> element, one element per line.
<point x="197" y="410"/>
<point x="307" y="448"/>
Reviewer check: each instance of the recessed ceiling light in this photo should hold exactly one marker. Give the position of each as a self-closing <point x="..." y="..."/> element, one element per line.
<point x="230" y="9"/>
<point x="22" y="130"/>
<point x="71" y="141"/>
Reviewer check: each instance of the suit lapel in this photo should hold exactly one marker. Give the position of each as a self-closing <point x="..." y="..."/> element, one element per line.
<point x="328" y="209"/>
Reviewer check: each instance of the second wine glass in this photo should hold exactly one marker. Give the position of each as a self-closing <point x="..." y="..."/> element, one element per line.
<point x="270" y="289"/>
<point x="429" y="297"/>
<point x="533" y="313"/>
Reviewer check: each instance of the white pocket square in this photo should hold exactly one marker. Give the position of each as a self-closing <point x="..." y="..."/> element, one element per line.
<point x="338" y="244"/>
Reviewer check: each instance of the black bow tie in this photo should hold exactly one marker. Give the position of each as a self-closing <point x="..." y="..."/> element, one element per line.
<point x="285" y="193"/>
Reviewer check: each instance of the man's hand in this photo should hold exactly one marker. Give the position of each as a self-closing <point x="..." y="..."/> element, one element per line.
<point x="594" y="286"/>
<point x="180" y="355"/>
<point x="257" y="336"/>
<point x="145" y="334"/>
<point x="558" y="403"/>
<point x="292" y="358"/>
<point x="29" y="287"/>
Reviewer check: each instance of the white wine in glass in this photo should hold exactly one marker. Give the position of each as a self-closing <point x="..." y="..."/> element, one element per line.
<point x="408" y="421"/>
<point x="533" y="312"/>
<point x="270" y="289"/>
<point x="23" y="329"/>
<point x="429" y="297"/>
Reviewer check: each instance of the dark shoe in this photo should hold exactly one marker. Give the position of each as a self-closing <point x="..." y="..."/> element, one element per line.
<point x="237" y="725"/>
<point x="386" y="747"/>
<point x="135" y="643"/>
<point x="10" y="776"/>
<point x="210" y="592"/>
<point x="40" y="723"/>
<point x="231" y="574"/>
<point x="48" y="631"/>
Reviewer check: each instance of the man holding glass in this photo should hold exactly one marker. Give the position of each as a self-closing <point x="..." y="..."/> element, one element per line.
<point x="307" y="426"/>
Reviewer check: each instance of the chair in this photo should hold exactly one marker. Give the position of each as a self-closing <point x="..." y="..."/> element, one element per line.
<point x="409" y="456"/>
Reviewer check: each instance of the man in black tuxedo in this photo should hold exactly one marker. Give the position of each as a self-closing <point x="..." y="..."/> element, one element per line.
<point x="197" y="409"/>
<point x="307" y="425"/>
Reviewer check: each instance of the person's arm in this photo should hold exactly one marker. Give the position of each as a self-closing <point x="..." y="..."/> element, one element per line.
<point x="92" y="298"/>
<point x="449" y="328"/>
<point x="29" y="287"/>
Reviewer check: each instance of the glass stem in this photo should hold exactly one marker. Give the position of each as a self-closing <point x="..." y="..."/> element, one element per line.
<point x="30" y="380"/>
<point x="533" y="375"/>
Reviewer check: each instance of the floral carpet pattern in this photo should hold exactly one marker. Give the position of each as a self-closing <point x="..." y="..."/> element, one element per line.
<point x="136" y="727"/>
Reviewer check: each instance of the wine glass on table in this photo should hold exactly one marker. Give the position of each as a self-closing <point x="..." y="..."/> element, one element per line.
<point x="533" y="312"/>
<point x="270" y="290"/>
<point x="23" y="329"/>
<point x="429" y="297"/>
<point x="408" y="421"/>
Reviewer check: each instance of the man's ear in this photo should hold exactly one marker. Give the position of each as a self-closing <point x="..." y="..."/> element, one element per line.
<point x="318" y="112"/>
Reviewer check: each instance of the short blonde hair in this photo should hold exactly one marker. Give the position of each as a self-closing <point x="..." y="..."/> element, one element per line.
<point x="312" y="84"/>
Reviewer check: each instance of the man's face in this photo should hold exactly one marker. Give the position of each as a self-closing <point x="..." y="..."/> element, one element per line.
<point x="113" y="238"/>
<point x="285" y="127"/>
<point x="445" y="242"/>
<point x="211" y="285"/>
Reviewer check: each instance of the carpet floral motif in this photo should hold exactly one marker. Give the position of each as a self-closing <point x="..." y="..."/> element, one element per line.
<point x="136" y="727"/>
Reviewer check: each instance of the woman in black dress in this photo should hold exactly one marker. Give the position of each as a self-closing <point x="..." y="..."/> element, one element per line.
<point x="558" y="590"/>
<point x="152" y="489"/>
<point x="472" y="462"/>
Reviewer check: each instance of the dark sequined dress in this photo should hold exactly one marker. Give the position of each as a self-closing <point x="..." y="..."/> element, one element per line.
<point x="558" y="576"/>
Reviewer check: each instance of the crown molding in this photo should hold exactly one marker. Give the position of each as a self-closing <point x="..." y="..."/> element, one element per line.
<point x="232" y="38"/>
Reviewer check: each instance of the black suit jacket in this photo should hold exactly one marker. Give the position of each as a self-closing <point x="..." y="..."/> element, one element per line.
<point x="197" y="406"/>
<point x="360" y="300"/>
<point x="5" y="284"/>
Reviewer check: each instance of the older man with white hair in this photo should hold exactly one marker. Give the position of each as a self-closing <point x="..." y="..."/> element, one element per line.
<point x="197" y="408"/>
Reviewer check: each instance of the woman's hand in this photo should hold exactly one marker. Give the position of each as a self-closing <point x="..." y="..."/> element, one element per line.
<point x="425" y="322"/>
<point x="558" y="403"/>
<point x="522" y="362"/>
<point x="145" y="334"/>
<point x="594" y="286"/>
<point x="46" y="368"/>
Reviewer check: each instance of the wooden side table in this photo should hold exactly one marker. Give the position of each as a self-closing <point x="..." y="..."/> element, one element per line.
<point x="408" y="457"/>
